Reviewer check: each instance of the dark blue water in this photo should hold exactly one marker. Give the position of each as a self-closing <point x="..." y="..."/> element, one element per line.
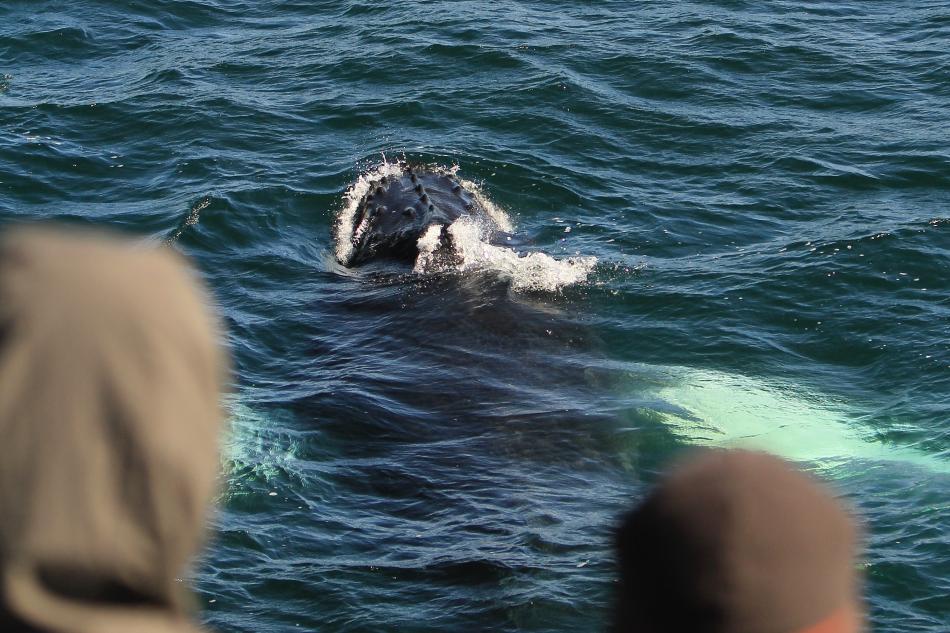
<point x="765" y="187"/>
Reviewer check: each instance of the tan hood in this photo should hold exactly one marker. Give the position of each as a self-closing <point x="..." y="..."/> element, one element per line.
<point x="110" y="382"/>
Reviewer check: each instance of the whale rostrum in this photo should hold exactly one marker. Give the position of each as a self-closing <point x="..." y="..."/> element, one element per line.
<point x="399" y="209"/>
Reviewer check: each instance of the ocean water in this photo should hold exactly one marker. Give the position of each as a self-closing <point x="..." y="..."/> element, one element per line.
<point x="761" y="191"/>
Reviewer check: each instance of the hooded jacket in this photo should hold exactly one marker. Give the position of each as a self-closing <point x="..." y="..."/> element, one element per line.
<point x="110" y="381"/>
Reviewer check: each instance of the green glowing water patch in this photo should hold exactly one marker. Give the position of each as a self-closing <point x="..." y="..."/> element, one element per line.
<point x="257" y="447"/>
<point x="731" y="410"/>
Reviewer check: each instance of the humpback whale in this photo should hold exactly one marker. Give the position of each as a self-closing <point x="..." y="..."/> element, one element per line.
<point x="399" y="209"/>
<point x="430" y="219"/>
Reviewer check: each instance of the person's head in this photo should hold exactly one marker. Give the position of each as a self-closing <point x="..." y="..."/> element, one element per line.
<point x="737" y="542"/>
<point x="110" y="381"/>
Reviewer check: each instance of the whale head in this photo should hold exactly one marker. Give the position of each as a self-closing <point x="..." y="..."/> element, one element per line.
<point x="397" y="210"/>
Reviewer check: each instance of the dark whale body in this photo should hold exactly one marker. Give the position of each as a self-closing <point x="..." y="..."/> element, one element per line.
<point x="397" y="210"/>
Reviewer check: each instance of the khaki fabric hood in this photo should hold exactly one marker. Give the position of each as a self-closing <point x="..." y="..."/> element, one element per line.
<point x="110" y="382"/>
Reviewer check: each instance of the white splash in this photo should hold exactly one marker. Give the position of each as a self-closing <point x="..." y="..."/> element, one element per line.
<point x="431" y="240"/>
<point x="428" y="244"/>
<point x="531" y="272"/>
<point x="496" y="213"/>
